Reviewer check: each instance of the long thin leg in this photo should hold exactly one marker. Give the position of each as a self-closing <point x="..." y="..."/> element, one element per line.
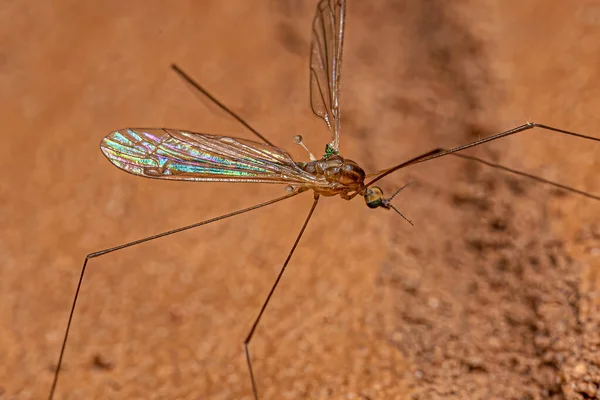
<point x="264" y="306"/>
<point x="525" y="174"/>
<point x="442" y="152"/>
<point x="493" y="165"/>
<point x="199" y="88"/>
<point x="136" y="242"/>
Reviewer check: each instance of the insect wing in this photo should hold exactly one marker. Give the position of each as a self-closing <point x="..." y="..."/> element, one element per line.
<point x="326" y="64"/>
<point x="181" y="155"/>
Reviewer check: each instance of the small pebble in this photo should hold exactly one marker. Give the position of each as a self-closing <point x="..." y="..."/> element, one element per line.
<point x="580" y="370"/>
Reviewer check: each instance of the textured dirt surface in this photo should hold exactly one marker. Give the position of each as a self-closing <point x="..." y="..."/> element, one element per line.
<point x="491" y="295"/>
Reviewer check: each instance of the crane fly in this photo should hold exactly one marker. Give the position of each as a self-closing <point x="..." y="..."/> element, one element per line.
<point x="186" y="156"/>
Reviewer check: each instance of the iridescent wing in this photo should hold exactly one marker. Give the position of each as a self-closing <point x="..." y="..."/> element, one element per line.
<point x="180" y="155"/>
<point x="326" y="65"/>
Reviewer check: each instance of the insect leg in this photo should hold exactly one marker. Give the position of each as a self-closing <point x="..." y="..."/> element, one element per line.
<point x="130" y="244"/>
<point x="264" y="306"/>
<point x="223" y="107"/>
<point x="436" y="153"/>
<point x="525" y="174"/>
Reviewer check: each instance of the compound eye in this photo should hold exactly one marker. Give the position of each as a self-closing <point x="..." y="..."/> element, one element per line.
<point x="374" y="197"/>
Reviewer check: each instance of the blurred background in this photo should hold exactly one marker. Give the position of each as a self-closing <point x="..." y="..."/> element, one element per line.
<point x="492" y="294"/>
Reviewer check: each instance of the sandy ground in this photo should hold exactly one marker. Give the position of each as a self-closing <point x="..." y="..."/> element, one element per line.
<point x="491" y="295"/>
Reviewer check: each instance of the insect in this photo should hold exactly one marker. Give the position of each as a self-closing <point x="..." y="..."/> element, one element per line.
<point x="181" y="155"/>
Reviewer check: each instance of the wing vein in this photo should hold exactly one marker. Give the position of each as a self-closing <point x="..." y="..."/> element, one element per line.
<point x="181" y="155"/>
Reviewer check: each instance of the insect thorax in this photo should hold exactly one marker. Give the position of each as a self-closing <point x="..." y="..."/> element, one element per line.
<point x="344" y="175"/>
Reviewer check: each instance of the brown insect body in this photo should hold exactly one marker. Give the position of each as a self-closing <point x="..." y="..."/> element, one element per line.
<point x="343" y="175"/>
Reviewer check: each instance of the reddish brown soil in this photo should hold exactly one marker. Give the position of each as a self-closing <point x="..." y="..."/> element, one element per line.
<point x="491" y="295"/>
